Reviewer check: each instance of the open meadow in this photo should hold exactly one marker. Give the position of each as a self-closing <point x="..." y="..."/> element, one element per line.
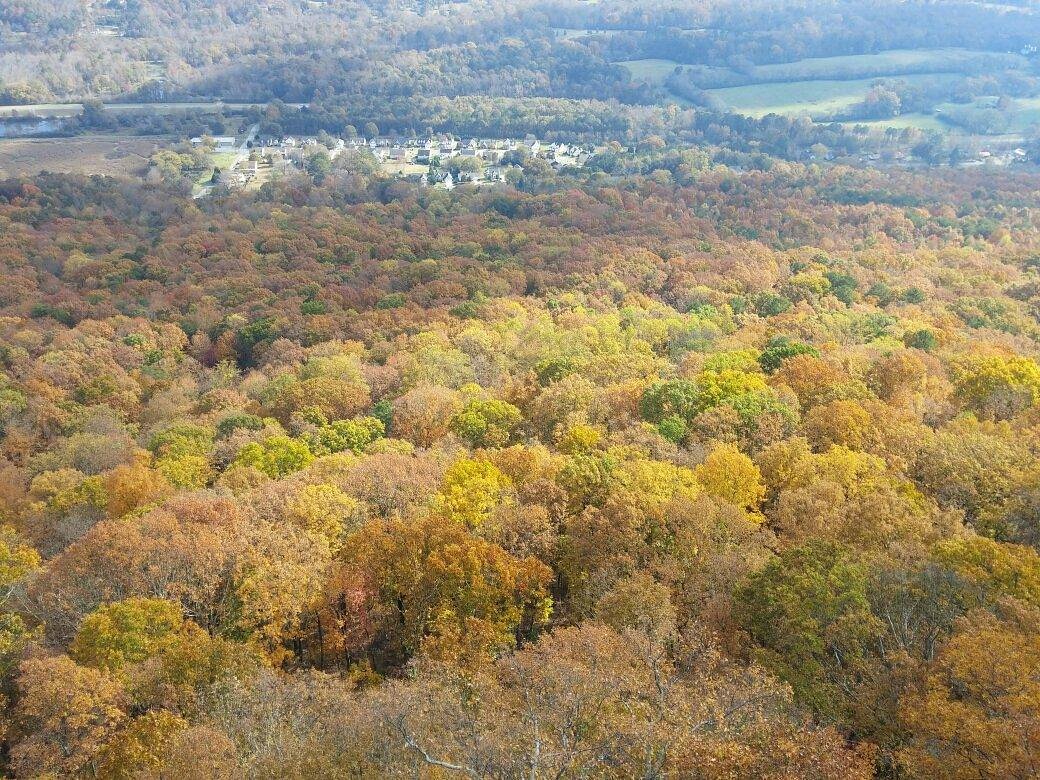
<point x="652" y="71"/>
<point x="110" y="155"/>
<point x="897" y="62"/>
<point x="826" y="87"/>
<point x="818" y="99"/>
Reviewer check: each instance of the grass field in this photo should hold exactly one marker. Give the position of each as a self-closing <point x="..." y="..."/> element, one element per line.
<point x="653" y="71"/>
<point x="896" y="62"/>
<point x="916" y="121"/>
<point x="222" y="160"/>
<point x="818" y="99"/>
<point x="826" y="86"/>
<point x="404" y="169"/>
<point x="1026" y="113"/>
<point x="111" y="155"/>
<point x="1023" y="115"/>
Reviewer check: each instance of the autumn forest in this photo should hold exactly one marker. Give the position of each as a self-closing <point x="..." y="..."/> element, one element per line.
<point x="702" y="461"/>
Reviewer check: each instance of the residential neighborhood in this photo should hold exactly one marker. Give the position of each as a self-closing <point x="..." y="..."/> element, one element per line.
<point x="442" y="161"/>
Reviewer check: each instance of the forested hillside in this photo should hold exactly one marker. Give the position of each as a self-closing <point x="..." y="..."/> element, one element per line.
<point x="695" y="472"/>
<point x="531" y="389"/>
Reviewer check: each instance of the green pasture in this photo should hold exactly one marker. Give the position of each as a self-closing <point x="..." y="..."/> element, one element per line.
<point x="917" y="121"/>
<point x="819" y="99"/>
<point x="653" y="71"/>
<point x="895" y="62"/>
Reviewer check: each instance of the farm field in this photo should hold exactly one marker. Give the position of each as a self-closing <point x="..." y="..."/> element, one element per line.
<point x="1026" y="113"/>
<point x="652" y="71"/>
<point x="110" y="155"/>
<point x="1022" y="115"/>
<point x="896" y="62"/>
<point x="917" y="121"/>
<point x="824" y="86"/>
<point x="816" y="98"/>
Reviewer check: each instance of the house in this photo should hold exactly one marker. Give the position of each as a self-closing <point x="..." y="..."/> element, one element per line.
<point x="225" y="143"/>
<point x="423" y="156"/>
<point x="442" y="180"/>
<point x="397" y="154"/>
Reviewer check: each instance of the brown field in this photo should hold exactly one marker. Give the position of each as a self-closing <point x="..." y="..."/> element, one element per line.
<point x="110" y="155"/>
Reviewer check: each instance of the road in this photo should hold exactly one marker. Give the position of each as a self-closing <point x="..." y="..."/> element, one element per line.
<point x="241" y="155"/>
<point x="243" y="149"/>
<point x="65" y="110"/>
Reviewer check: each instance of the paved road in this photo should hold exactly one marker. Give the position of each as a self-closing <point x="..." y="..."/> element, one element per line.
<point x="243" y="149"/>
<point x="241" y="155"/>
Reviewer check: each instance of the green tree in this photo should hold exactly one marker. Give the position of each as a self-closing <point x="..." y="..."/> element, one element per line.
<point x="275" y="456"/>
<point x="807" y="610"/>
<point x="486" y="423"/>
<point x="126" y="632"/>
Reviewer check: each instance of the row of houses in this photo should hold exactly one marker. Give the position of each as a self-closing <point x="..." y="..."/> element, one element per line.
<point x="433" y="161"/>
<point x="426" y="150"/>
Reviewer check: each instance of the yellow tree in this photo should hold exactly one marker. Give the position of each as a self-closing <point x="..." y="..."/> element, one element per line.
<point x="976" y="714"/>
<point x="729" y="474"/>
<point x="399" y="583"/>
<point x="67" y="713"/>
<point x="471" y="490"/>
